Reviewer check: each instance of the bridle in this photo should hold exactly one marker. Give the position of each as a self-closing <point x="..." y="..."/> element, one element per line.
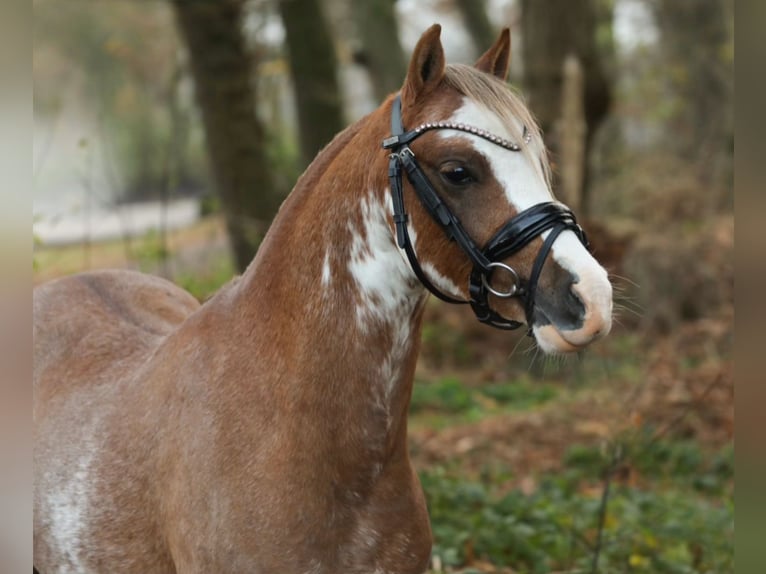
<point x="510" y="238"/>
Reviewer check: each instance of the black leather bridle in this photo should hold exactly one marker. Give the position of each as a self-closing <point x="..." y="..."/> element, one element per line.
<point x="510" y="238"/>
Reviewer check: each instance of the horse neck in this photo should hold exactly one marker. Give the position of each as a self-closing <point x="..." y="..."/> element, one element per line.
<point x="332" y="294"/>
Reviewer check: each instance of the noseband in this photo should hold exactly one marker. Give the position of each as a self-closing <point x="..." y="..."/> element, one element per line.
<point x="509" y="239"/>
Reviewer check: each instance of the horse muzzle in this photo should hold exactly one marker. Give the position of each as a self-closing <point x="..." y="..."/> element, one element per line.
<point x="569" y="318"/>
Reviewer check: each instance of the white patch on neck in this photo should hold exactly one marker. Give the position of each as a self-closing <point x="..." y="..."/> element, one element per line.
<point x="386" y="284"/>
<point x="388" y="289"/>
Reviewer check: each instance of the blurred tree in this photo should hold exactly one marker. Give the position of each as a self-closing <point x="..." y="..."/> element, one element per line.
<point x="477" y="23"/>
<point x="225" y="92"/>
<point x="697" y="47"/>
<point x="554" y="29"/>
<point x="113" y="64"/>
<point x="381" y="53"/>
<point x="313" y="69"/>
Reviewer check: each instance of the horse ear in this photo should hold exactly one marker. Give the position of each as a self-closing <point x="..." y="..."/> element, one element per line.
<point x="426" y="66"/>
<point x="497" y="59"/>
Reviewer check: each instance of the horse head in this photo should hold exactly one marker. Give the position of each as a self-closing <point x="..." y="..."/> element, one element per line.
<point x="473" y="210"/>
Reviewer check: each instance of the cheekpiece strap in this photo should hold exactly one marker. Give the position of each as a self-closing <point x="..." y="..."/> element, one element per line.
<point x="395" y="163"/>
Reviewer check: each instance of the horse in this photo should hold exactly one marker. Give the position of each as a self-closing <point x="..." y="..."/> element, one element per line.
<point x="264" y="431"/>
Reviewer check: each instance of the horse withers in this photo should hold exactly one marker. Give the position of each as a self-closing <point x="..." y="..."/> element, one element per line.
<point x="265" y="430"/>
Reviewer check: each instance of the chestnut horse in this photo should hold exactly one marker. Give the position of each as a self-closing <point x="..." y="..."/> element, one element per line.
<point x="264" y="431"/>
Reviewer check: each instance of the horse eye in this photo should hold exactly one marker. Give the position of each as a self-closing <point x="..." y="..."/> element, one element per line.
<point x="458" y="175"/>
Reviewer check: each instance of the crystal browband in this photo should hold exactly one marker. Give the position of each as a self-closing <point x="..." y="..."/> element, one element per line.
<point x="412" y="134"/>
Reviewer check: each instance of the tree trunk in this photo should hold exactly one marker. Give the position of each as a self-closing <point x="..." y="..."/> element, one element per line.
<point x="378" y="31"/>
<point x="571" y="135"/>
<point x="695" y="40"/>
<point x="313" y="69"/>
<point x="477" y="23"/>
<point x="226" y="97"/>
<point x="553" y="29"/>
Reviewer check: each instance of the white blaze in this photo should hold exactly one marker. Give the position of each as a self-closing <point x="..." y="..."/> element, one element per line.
<point x="387" y="287"/>
<point x="522" y="181"/>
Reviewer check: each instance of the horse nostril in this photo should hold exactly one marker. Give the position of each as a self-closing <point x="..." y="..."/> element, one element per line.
<point x="574" y="302"/>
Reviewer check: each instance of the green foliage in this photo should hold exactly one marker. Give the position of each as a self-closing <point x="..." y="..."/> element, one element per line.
<point x="520" y="394"/>
<point x="284" y="158"/>
<point x="587" y="459"/>
<point x="443" y="344"/>
<point x="447" y="395"/>
<point x="451" y="396"/>
<point x="672" y="531"/>
<point x="684" y="461"/>
<point x="36" y="243"/>
<point x="681" y="464"/>
<point x="209" y="205"/>
<point x="149" y="251"/>
<point x="510" y="530"/>
<point x="150" y="254"/>
<point x="204" y="284"/>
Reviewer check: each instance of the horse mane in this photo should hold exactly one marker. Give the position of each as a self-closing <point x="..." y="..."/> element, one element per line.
<point x="325" y="157"/>
<point x="501" y="99"/>
<point x="283" y="219"/>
